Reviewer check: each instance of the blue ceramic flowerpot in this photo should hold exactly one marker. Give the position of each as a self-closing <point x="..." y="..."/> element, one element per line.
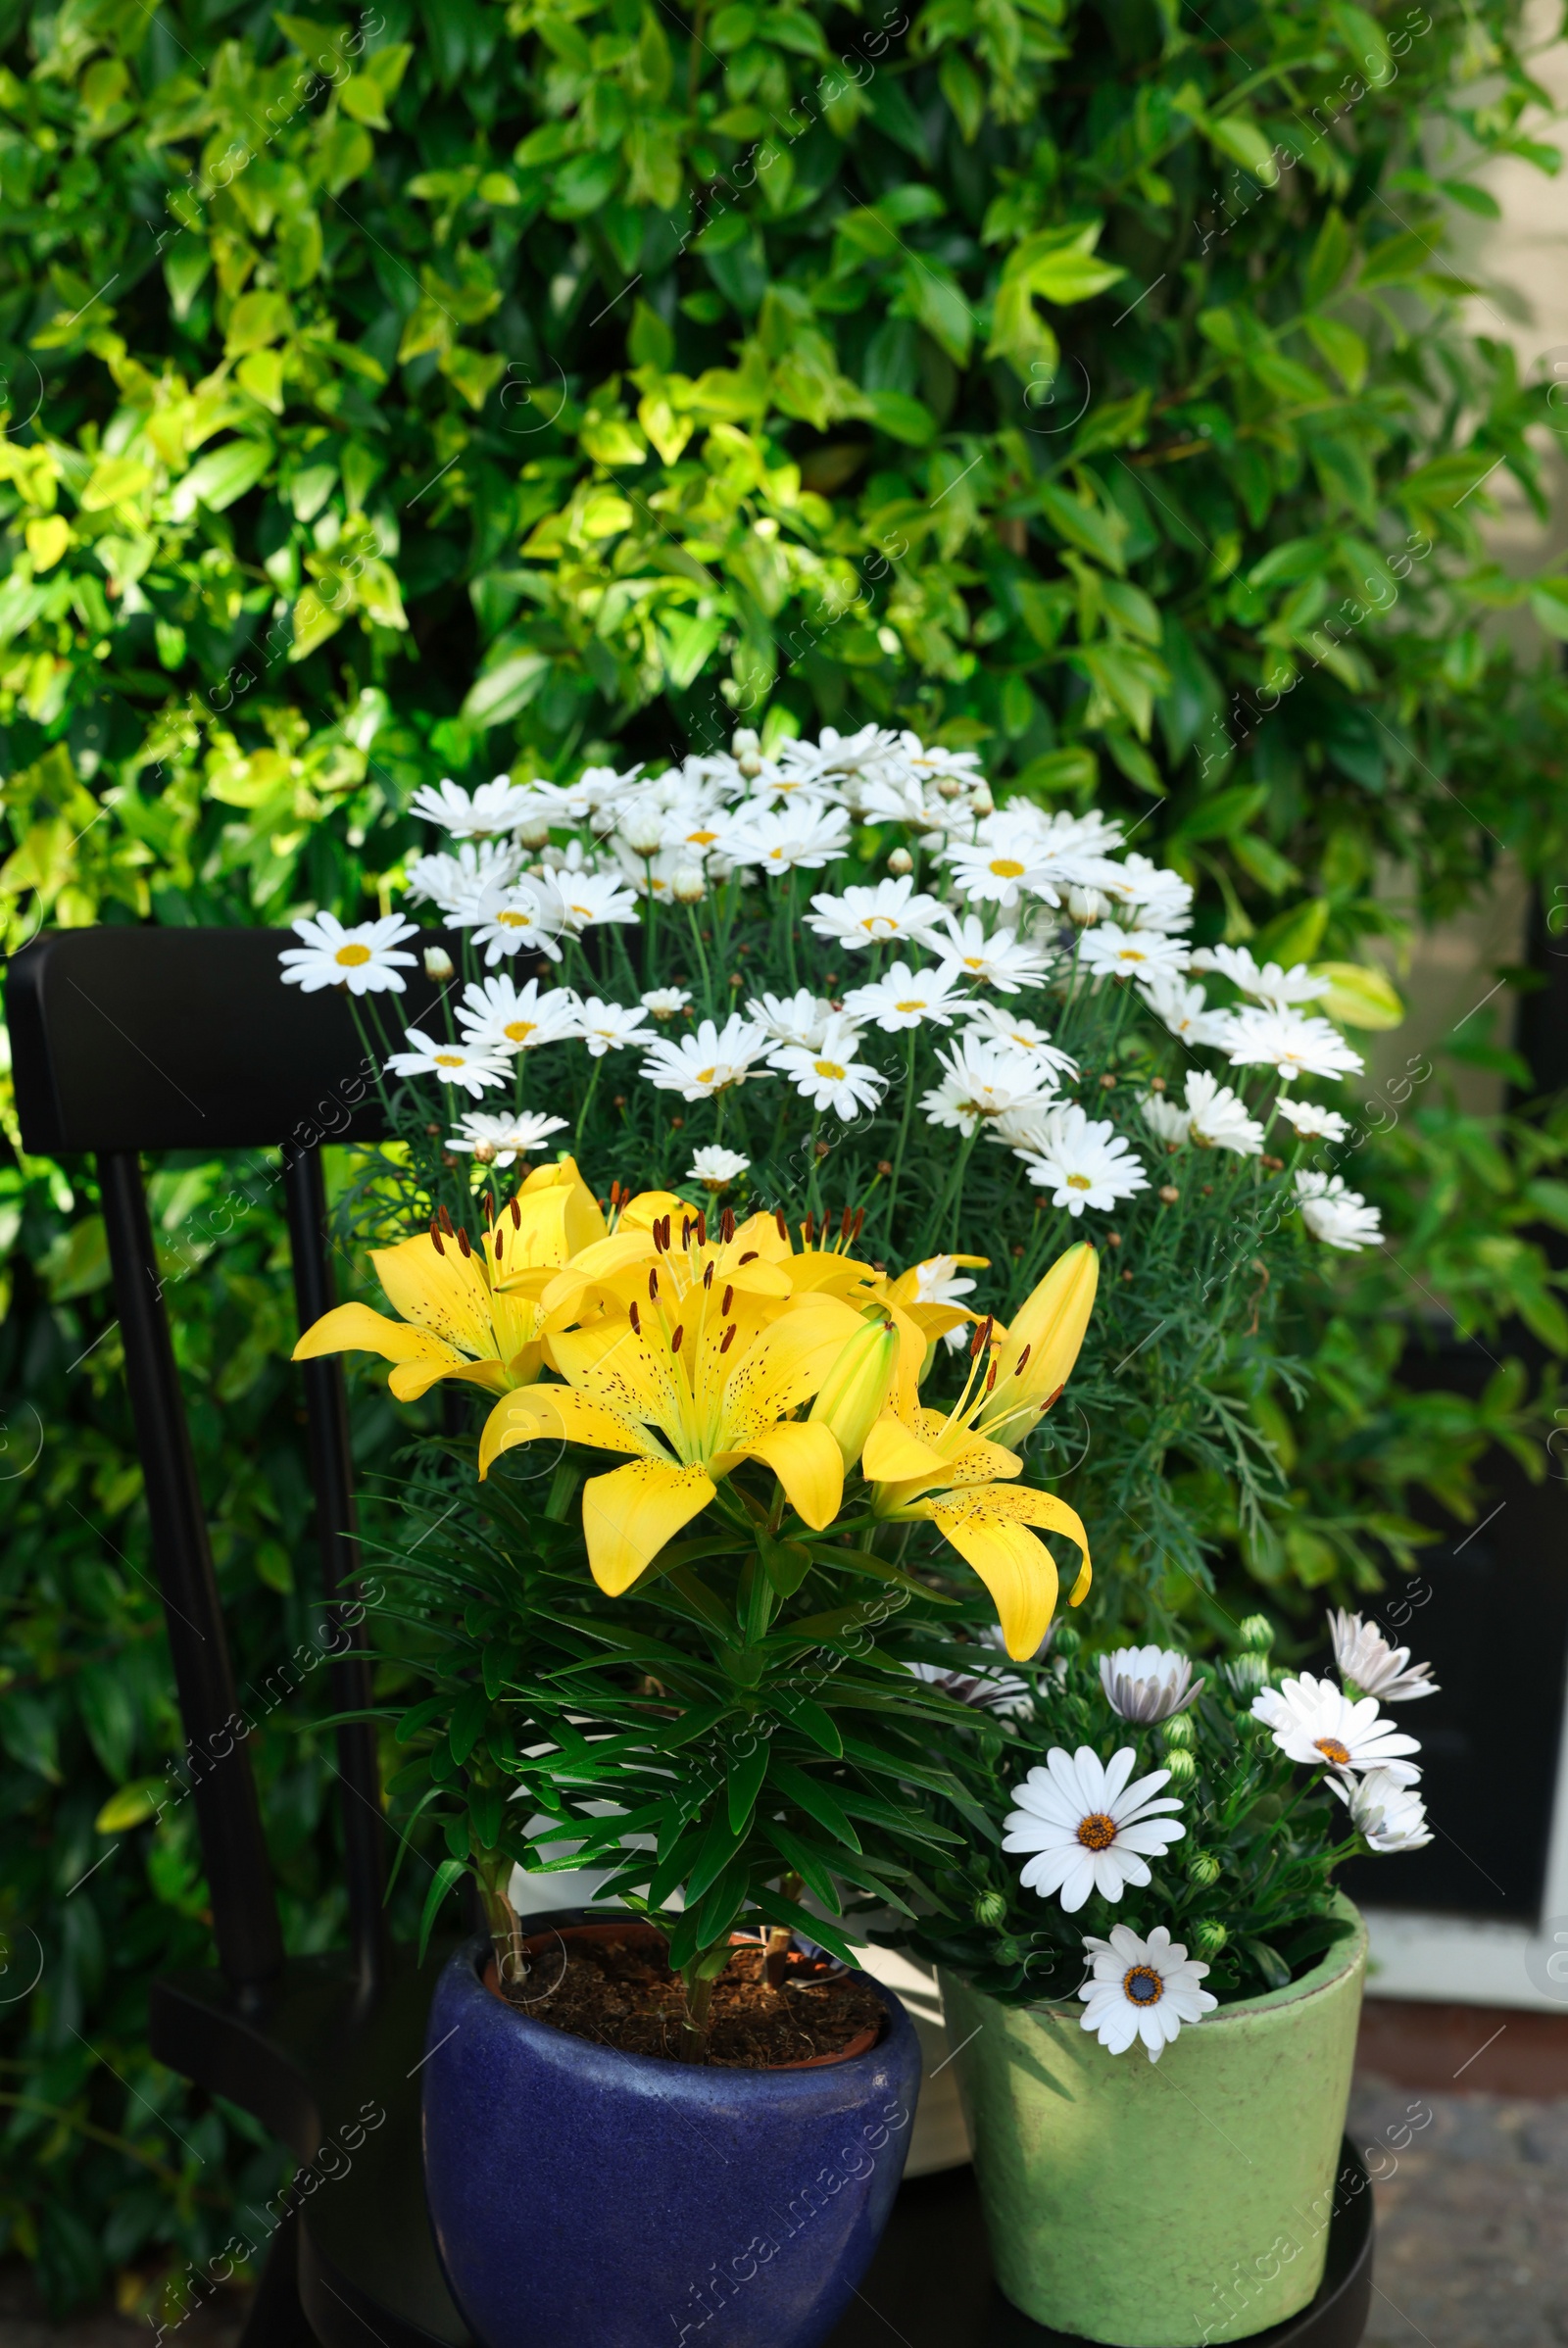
<point x="585" y="2198"/>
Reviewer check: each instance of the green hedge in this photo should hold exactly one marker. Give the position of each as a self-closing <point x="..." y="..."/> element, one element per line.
<point x="473" y="386"/>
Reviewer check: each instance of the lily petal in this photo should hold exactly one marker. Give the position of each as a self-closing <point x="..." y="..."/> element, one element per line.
<point x="560" y="1414"/>
<point x="356" y="1328"/>
<point x="440" y="1289"/>
<point x="631" y="1514"/>
<point x="1017" y="1569"/>
<point x="806" y="1458"/>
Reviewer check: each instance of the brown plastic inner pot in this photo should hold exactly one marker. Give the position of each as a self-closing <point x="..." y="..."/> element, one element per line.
<point x="633" y="1932"/>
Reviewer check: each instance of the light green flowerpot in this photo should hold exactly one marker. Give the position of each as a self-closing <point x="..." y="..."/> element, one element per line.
<point x="1162" y="2205"/>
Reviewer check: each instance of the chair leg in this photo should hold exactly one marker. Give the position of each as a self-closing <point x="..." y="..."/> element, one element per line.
<point x="276" y="2319"/>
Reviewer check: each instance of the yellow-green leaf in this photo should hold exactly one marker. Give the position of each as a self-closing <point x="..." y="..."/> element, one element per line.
<point x="131" y="1806"/>
<point x="1359" y="995"/>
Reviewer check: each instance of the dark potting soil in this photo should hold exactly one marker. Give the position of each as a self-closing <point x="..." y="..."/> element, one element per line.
<point x="621" y="1994"/>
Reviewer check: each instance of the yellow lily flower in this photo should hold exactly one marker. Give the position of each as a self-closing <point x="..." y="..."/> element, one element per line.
<point x="460" y="1316"/>
<point x="954" y="1469"/>
<point x="698" y="1374"/>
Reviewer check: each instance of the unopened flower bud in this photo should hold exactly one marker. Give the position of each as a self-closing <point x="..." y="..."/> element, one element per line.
<point x="1257" y="1632"/>
<point x="1178" y="1730"/>
<point x="850" y="1399"/>
<point x="484" y="1153"/>
<point x="534" y="831"/>
<point x="750" y="765"/>
<point x="1086" y="905"/>
<point x="437" y="965"/>
<point x="642" y="833"/>
<point x="687" y="885"/>
<point x="1066" y="1640"/>
<point x="1169" y="1193"/>
<point x="949" y="787"/>
<point x="1209" y="1937"/>
<point x="1203" y="1867"/>
<point x="900" y="862"/>
<point x="991" y="1909"/>
<point x="743" y="741"/>
<point x="981" y="802"/>
<point x="1180" y="1767"/>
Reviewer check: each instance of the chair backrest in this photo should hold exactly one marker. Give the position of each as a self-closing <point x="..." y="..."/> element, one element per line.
<point x="129" y="1040"/>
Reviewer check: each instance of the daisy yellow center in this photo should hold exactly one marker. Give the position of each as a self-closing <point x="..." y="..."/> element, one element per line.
<point x="776" y="855"/>
<point x="1097" y="1831"/>
<point x="706" y="1075"/>
<point x="1079" y="1182"/>
<point x="1142" y="1985"/>
<point x="1006" y="868"/>
<point x="449" y="1060"/>
<point x="511" y="922"/>
<point x="1333" y="1751"/>
<point x="875" y="922"/>
<point x="352" y="957"/>
<point x="517" y="1031"/>
<point x="913" y="1004"/>
<point x="1130" y="954"/>
<point x="974" y="961"/>
<point x="830" y="1069"/>
<point x="586" y="910"/>
<point x="701" y="839"/>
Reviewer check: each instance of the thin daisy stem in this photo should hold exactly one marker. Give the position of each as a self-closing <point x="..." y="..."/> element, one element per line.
<point x="701" y="963"/>
<point x="903" y="1136"/>
<point x="588" y="1100"/>
<point x="788" y="930"/>
<point x="813" y="1188"/>
<point x="721" y="1103"/>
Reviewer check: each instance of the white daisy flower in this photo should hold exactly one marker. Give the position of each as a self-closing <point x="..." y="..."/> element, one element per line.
<point x="842" y="763"/>
<point x="981" y="1080"/>
<point x="1085" y="1162"/>
<point x="576" y="857"/>
<point x="997" y="872"/>
<point x="1156" y="898"/>
<point x="1141" y="1990"/>
<point x="1002" y="959"/>
<point x="648" y="876"/>
<point x="716" y="1168"/>
<point x="507" y="1138"/>
<point x="1063" y="839"/>
<point x="1165" y="1120"/>
<point x="1390" y="1816"/>
<point x="461" y="1064"/>
<point x="902" y="998"/>
<point x="488" y="814"/>
<point x="1256" y="1037"/>
<point x="514" y="917"/>
<point x="801" y="836"/>
<point x="1311" y="1120"/>
<point x="699" y="1065"/>
<point x="797" y="1018"/>
<point x="1005" y="1026"/>
<point x="664" y="1002"/>
<point x="1317" y="1723"/>
<point x="1339" y="1217"/>
<point x="904" y="798"/>
<point x="692" y="834"/>
<point x="938" y="1281"/>
<point x="451" y="882"/>
<point x="499" y="1016"/>
<point x="1109" y="950"/>
<point x="609" y="1026"/>
<point x="1365" y="1656"/>
<point x="363" y="958"/>
<point x="588" y="899"/>
<point x="930" y="760"/>
<point x="1278" y="989"/>
<point x="1089" y="1828"/>
<point x="831" y="1076"/>
<point x="1148" y="1684"/>
<point x="1085" y="907"/>
<point x="1181" y="1008"/>
<point x="1219" y="1116"/>
<point x="872" y="916"/>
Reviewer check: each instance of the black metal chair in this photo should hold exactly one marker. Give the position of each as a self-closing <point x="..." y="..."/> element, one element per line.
<point x="126" y="1041"/>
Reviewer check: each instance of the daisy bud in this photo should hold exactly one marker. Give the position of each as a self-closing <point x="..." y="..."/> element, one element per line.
<point x="1203" y="1867"/>
<point x="1210" y="1936"/>
<point x="1257" y="1634"/>
<point x="533" y="832"/>
<point x="1177" y="1731"/>
<point x="981" y="802"/>
<point x="1087" y="905"/>
<point x="750" y="765"/>
<point x="744" y="743"/>
<point x="1169" y="1193"/>
<point x="991" y="1909"/>
<point x="484" y="1153"/>
<point x="438" y="966"/>
<point x="900" y="862"/>
<point x="1180" y="1767"/>
<point x="643" y="835"/>
<point x="687" y="885"/>
<point x="949" y="787"/>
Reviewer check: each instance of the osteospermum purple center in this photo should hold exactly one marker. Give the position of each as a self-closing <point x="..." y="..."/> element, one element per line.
<point x="1097" y="1831"/>
<point x="1143" y="1985"/>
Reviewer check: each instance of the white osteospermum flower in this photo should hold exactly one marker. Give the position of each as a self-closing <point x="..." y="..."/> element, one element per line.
<point x="1377" y="1669"/>
<point x="509" y="918"/>
<point x="801" y="836"/>
<point x="588" y="899"/>
<point x="699" y="1065"/>
<point x="1256" y="1037"/>
<point x="498" y="1017"/>
<point x="1278" y="989"/>
<point x="1141" y="1990"/>
<point x="1181" y="1008"/>
<point x="1088" y="1827"/>
<point x="452" y="882"/>
<point x="363" y="958"/>
<point x="1219" y="1116"/>
<point x="1339" y="1217"/>
<point x="505" y="1138"/>
<point x="1109" y="950"/>
<point x="1002" y="959"/>
<point x="982" y="1080"/>
<point x="716" y="1168"/>
<point x="1156" y="898"/>
<point x="1388" y="1815"/>
<point x="610" y="1026"/>
<point x="1148" y="1684"/>
<point x="488" y="814"/>
<point x="874" y="916"/>
<point x="831" y="1076"/>
<point x="1165" y="1120"/>
<point x="902" y="998"/>
<point x="664" y="1002"/>
<point x="1317" y="1723"/>
<point x="1312" y="1121"/>
<point x="797" y="1018"/>
<point x="1003" y="1026"/>
<point x="461" y="1064"/>
<point x="1085" y="1162"/>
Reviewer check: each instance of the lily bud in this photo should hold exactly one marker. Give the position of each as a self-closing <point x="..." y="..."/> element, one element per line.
<point x="851" y="1399"/>
<point x="1042" y="1342"/>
